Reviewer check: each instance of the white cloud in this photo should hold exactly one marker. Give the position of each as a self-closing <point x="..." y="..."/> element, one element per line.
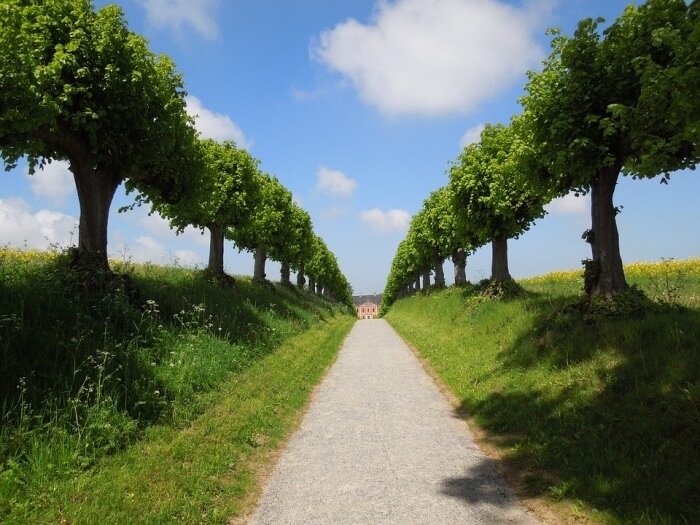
<point x="147" y="249"/>
<point x="187" y="258"/>
<point x="434" y="57"/>
<point x="472" y="135"/>
<point x="215" y="126"/>
<point x="335" y="183"/>
<point x="53" y="182"/>
<point x="159" y="227"/>
<point x="569" y="205"/>
<point x="386" y="221"/>
<point x="175" y="14"/>
<point x="20" y="227"/>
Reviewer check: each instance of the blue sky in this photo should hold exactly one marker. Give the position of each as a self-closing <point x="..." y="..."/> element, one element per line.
<point x="358" y="107"/>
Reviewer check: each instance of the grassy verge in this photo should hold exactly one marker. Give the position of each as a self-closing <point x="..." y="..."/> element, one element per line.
<point x="207" y="472"/>
<point x="151" y="400"/>
<point x="600" y="418"/>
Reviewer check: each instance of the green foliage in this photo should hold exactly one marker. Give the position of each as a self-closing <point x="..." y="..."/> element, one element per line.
<point x="76" y="84"/>
<point x="616" y="102"/>
<point x="614" y="97"/>
<point x="225" y="192"/>
<point x="266" y="225"/>
<point x="492" y="193"/>
<point x="597" y="415"/>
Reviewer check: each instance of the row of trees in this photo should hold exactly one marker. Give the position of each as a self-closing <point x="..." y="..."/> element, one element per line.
<point x="77" y="85"/>
<point x="618" y="102"/>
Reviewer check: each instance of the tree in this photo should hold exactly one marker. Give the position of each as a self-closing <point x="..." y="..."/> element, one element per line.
<point x="77" y="85"/>
<point x="403" y="277"/>
<point x="493" y="199"/>
<point x="266" y="226"/>
<point x="440" y="232"/>
<point x="621" y="102"/>
<point x="224" y="196"/>
<point x="293" y="246"/>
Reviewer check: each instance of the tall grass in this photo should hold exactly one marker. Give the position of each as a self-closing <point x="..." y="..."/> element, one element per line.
<point x="600" y="415"/>
<point x="89" y="368"/>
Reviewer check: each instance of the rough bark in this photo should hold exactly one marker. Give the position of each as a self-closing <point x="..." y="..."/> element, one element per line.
<point x="426" y="279"/>
<point x="284" y="274"/>
<point x="216" y="249"/>
<point x="259" y="267"/>
<point x="499" y="259"/>
<point x="605" y="274"/>
<point x="439" y="272"/>
<point x="459" y="259"/>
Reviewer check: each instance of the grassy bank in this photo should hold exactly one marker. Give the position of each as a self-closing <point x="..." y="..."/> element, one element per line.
<point x="156" y="399"/>
<point x="598" y="418"/>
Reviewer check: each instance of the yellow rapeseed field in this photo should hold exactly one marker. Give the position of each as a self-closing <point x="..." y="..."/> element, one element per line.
<point x="18" y="256"/>
<point x="687" y="267"/>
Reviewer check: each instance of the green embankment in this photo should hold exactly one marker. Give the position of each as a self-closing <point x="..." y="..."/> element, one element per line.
<point x="159" y="399"/>
<point x="595" y="418"/>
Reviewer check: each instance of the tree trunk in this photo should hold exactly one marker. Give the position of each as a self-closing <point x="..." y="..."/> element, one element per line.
<point x="312" y="284"/>
<point x="319" y="289"/>
<point x="216" y="249"/>
<point x="426" y="279"/>
<point x="605" y="276"/>
<point x="300" y="277"/>
<point x="416" y="285"/>
<point x="439" y="272"/>
<point x="459" y="258"/>
<point x="284" y="274"/>
<point x="95" y="194"/>
<point x="259" y="267"/>
<point x="499" y="259"/>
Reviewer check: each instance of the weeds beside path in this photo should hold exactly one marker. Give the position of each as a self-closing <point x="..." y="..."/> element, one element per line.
<point x="206" y="472"/>
<point x="148" y="395"/>
<point x="597" y="418"/>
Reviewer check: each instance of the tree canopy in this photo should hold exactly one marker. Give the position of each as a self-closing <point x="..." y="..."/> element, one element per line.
<point x="493" y="199"/>
<point x="224" y="195"/>
<point x="77" y="85"/>
<point x="620" y="101"/>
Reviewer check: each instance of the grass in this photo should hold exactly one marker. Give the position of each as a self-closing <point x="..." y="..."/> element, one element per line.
<point x="598" y="417"/>
<point x="156" y="399"/>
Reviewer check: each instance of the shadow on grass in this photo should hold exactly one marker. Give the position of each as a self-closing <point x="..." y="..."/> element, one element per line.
<point x="53" y="329"/>
<point x="622" y="430"/>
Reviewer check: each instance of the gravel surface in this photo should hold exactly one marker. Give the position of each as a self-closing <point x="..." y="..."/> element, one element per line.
<point x="380" y="444"/>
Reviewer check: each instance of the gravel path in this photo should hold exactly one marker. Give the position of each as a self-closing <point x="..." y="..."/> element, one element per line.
<point x="380" y="444"/>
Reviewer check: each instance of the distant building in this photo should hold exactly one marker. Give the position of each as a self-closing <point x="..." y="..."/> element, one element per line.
<point x="367" y="307"/>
